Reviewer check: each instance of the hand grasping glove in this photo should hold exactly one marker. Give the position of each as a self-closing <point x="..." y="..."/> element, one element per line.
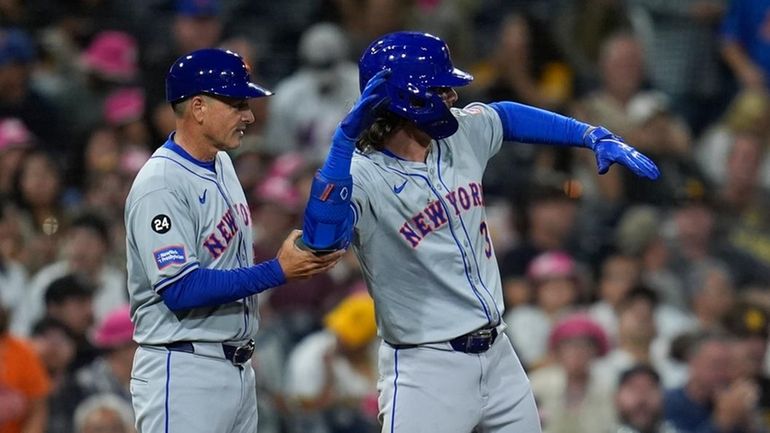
<point x="610" y="149"/>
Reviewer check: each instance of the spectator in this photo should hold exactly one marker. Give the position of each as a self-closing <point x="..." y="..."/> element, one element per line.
<point x="365" y="20"/>
<point x="525" y="66"/>
<point x="682" y="51"/>
<point x="196" y="24"/>
<point x="693" y="238"/>
<point x="24" y="385"/>
<point x="124" y="110"/>
<point x="69" y="301"/>
<point x="15" y="139"/>
<point x="638" y="234"/>
<point x="710" y="401"/>
<point x="37" y="193"/>
<point x="108" y="62"/>
<point x="18" y="99"/>
<point x="102" y="152"/>
<point x="554" y="281"/>
<point x="333" y="371"/>
<point x="309" y="103"/>
<point x="747" y="114"/>
<point x="712" y="294"/>
<point x="56" y="347"/>
<point x="86" y="249"/>
<point x="573" y="397"/>
<point x="550" y="220"/>
<point x="748" y="323"/>
<point x="108" y="374"/>
<point x="636" y="332"/>
<point x="746" y="43"/>
<point x="104" y="413"/>
<point x="741" y="188"/>
<point x="639" y="402"/>
<point x="580" y="26"/>
<point x="619" y="274"/>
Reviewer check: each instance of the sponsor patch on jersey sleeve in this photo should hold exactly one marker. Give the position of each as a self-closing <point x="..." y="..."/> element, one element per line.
<point x="171" y="255"/>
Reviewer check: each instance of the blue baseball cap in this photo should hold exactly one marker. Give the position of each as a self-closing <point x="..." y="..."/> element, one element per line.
<point x="16" y="47"/>
<point x="198" y="8"/>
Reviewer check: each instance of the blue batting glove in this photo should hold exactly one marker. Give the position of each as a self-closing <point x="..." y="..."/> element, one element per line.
<point x="609" y="149"/>
<point x="364" y="112"/>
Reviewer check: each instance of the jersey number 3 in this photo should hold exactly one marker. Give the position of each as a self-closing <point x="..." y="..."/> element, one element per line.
<point x="484" y="230"/>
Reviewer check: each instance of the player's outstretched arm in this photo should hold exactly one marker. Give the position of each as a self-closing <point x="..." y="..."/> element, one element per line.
<point x="533" y="125"/>
<point x="328" y="220"/>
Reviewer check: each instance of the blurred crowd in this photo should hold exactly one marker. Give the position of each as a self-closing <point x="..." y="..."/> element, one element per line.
<point x="635" y="306"/>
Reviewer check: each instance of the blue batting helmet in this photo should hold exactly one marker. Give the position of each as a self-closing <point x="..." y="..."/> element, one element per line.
<point x="211" y="71"/>
<point x="419" y="63"/>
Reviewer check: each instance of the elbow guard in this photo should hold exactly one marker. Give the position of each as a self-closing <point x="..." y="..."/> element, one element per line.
<point x="328" y="218"/>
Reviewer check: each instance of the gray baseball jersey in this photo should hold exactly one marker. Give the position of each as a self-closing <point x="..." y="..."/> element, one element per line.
<point x="422" y="238"/>
<point x="181" y="216"/>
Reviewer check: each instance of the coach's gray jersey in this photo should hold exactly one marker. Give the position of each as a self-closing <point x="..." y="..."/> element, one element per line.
<point x="181" y="216"/>
<point x="421" y="234"/>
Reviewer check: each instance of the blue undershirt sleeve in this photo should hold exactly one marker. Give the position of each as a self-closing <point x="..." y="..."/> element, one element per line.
<point x="212" y="287"/>
<point x="528" y="124"/>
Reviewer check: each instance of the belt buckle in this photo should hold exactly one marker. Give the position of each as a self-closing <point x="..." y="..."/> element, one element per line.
<point x="479" y="341"/>
<point x="482" y="333"/>
<point x="243" y="353"/>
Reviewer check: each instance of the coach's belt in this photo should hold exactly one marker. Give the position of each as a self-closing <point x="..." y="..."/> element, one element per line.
<point x="473" y="342"/>
<point x="238" y="355"/>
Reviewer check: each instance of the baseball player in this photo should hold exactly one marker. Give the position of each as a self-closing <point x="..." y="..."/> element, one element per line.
<point x="413" y="210"/>
<point x="192" y="286"/>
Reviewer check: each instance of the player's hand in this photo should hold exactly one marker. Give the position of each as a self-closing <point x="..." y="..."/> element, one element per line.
<point x="364" y="112"/>
<point x="609" y="149"/>
<point x="299" y="264"/>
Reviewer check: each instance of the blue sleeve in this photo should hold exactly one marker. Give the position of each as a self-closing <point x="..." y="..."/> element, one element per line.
<point x="328" y="220"/>
<point x="212" y="287"/>
<point x="528" y="124"/>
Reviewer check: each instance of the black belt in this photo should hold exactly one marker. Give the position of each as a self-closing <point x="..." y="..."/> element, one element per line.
<point x="473" y="342"/>
<point x="238" y="355"/>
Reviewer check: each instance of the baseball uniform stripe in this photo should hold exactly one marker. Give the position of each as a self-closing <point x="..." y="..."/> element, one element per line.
<point x="168" y="381"/>
<point x="467" y="236"/>
<point x="395" y="393"/>
<point x="182" y="272"/>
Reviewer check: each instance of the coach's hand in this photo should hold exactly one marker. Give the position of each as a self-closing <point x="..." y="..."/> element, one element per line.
<point x="364" y="113"/>
<point x="300" y="264"/>
<point x="609" y="149"/>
